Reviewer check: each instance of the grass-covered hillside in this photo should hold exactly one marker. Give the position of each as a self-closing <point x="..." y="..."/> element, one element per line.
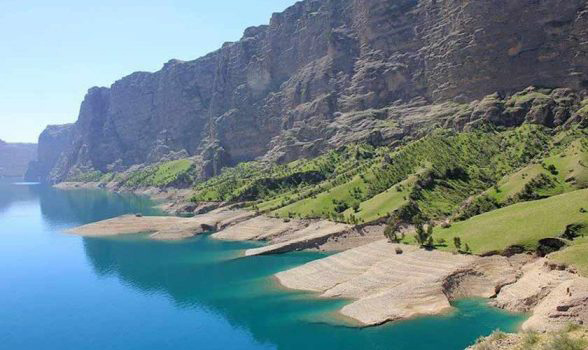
<point x="522" y="224"/>
<point x="176" y="173"/>
<point x="489" y="190"/>
<point x="446" y="174"/>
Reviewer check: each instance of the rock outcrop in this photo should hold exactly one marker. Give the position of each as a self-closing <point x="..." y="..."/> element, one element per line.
<point x="165" y="228"/>
<point x="15" y="158"/>
<point x="388" y="282"/>
<point x="556" y="296"/>
<point x="308" y="237"/>
<point x="261" y="228"/>
<point x="566" y="304"/>
<point x="537" y="281"/>
<point x="326" y="72"/>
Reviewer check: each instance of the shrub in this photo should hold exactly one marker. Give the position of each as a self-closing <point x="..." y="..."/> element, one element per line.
<point x="340" y="206"/>
<point x="457" y="243"/>
<point x="571" y="327"/>
<point x="564" y="342"/>
<point x="573" y="231"/>
<point x="480" y="205"/>
<point x="392" y="232"/>
<point x="552" y="169"/>
<point x="468" y="250"/>
<point x="530" y="339"/>
<point x="425" y="236"/>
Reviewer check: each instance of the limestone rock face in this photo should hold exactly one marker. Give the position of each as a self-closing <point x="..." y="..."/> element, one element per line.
<point x="326" y="72"/>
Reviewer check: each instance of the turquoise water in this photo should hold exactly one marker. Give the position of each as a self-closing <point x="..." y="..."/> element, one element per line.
<point x="59" y="291"/>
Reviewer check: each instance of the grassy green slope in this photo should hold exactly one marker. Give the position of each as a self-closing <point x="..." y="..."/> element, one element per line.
<point x="264" y="183"/>
<point x="576" y="255"/>
<point x="519" y="224"/>
<point x="439" y="172"/>
<point x="513" y="184"/>
<point x="171" y="173"/>
<point x="567" y="168"/>
<point x="163" y="175"/>
<point x="383" y="203"/>
<point x="451" y="166"/>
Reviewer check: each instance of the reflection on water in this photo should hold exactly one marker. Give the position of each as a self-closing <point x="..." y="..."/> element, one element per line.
<point x="82" y="206"/>
<point x="68" y="292"/>
<point x="207" y="274"/>
<point x="10" y="193"/>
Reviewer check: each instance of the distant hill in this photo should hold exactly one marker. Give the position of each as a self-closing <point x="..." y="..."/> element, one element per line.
<point x="15" y="158"/>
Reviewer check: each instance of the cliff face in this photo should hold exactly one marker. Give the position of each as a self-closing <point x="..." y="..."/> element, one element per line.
<point x="52" y="150"/>
<point x="15" y="157"/>
<point x="318" y="74"/>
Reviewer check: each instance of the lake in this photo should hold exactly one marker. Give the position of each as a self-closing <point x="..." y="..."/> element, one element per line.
<point x="59" y="291"/>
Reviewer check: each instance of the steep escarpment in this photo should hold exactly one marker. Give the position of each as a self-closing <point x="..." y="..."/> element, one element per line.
<point x="15" y="157"/>
<point x="321" y="74"/>
<point x="53" y="144"/>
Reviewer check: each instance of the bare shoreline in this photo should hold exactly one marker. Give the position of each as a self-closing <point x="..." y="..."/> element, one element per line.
<point x="381" y="285"/>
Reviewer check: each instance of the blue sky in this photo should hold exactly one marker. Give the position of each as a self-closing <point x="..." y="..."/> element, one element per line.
<point x="51" y="52"/>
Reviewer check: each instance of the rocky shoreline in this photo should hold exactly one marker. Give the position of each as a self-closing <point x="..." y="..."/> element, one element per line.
<point x="386" y="285"/>
<point x="384" y="281"/>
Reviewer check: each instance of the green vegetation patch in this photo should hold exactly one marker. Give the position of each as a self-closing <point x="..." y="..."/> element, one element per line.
<point x="521" y="224"/>
<point x="576" y="255"/>
<point x="173" y="173"/>
<point x="270" y="187"/>
<point x="383" y="203"/>
<point x="91" y="176"/>
<point x="446" y="174"/>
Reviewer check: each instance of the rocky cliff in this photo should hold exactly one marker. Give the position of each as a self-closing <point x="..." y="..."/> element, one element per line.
<point x="322" y="73"/>
<point x="15" y="157"/>
<point x="52" y="151"/>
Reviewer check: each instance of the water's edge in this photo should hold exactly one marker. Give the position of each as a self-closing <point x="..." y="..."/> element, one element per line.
<point x="62" y="291"/>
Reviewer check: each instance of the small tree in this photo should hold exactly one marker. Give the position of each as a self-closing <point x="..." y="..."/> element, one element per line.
<point x="430" y="243"/>
<point x="391" y="232"/>
<point x="424" y="236"/>
<point x="421" y="234"/>
<point x="467" y="248"/>
<point x="457" y="243"/>
<point x="430" y="227"/>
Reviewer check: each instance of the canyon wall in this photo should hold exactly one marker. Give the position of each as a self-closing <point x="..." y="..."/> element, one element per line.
<point x="15" y="157"/>
<point x="316" y="77"/>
